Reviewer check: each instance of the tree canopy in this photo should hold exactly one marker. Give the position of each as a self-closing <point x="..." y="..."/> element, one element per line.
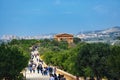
<point x="12" y="62"/>
<point x="98" y="60"/>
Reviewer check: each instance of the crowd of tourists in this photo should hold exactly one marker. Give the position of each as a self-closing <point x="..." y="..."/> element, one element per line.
<point x="36" y="66"/>
<point x="55" y="77"/>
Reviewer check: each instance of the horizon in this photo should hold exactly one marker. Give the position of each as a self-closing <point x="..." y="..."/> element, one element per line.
<point x="36" y="17"/>
<point x="57" y="33"/>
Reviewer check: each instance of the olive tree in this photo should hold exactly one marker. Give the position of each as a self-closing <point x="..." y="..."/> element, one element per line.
<point x="91" y="60"/>
<point x="12" y="62"/>
<point x="113" y="62"/>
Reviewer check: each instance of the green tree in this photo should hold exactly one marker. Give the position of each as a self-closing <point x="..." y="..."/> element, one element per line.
<point x="76" y="40"/>
<point x="12" y="62"/>
<point x="86" y="59"/>
<point x="118" y="38"/>
<point x="92" y="59"/>
<point x="113" y="63"/>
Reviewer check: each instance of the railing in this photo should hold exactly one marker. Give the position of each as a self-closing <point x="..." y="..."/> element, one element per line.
<point x="66" y="75"/>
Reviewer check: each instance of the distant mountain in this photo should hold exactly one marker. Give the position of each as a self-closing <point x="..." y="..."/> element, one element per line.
<point x="109" y="30"/>
<point x="110" y="33"/>
<point x="112" y="30"/>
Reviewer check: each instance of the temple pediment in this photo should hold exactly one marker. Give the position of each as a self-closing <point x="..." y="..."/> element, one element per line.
<point x="65" y="37"/>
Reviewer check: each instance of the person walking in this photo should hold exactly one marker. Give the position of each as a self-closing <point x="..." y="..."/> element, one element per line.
<point x="38" y="68"/>
<point x="33" y="68"/>
<point x="51" y="77"/>
<point x="62" y="77"/>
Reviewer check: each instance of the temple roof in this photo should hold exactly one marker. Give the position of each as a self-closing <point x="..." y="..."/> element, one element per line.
<point x="64" y="35"/>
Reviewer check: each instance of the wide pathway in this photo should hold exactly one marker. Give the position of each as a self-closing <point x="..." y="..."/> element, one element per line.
<point x="35" y="76"/>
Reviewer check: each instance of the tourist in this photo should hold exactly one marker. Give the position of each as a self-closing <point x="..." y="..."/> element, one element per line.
<point x="51" y="77"/>
<point x="55" y="76"/>
<point x="33" y="68"/>
<point x="59" y="76"/>
<point x="38" y="68"/>
<point x="54" y="70"/>
<point x="62" y="77"/>
<point x="30" y="68"/>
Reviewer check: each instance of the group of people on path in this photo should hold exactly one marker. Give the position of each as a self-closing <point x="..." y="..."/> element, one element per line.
<point x="36" y="65"/>
<point x="55" y="77"/>
<point x="34" y="61"/>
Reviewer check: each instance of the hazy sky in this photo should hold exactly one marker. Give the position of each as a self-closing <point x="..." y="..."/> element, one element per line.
<point x="34" y="17"/>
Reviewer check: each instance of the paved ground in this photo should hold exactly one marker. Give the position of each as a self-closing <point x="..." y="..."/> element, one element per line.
<point x="35" y="76"/>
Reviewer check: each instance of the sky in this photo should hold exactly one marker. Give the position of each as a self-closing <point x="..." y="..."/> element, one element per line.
<point x="35" y="17"/>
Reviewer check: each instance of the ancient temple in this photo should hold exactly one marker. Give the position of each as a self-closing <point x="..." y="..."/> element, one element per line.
<point x="64" y="37"/>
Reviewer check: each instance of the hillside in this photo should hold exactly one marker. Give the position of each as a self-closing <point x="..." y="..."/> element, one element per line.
<point x="110" y="33"/>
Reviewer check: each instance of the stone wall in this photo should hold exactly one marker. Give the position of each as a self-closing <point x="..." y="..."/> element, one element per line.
<point x="66" y="75"/>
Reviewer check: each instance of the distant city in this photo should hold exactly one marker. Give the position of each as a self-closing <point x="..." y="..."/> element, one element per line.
<point x="107" y="34"/>
<point x="10" y="37"/>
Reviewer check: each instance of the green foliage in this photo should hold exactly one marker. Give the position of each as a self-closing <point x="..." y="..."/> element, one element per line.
<point x="12" y="61"/>
<point x="118" y="38"/>
<point x="14" y="58"/>
<point x="55" y="59"/>
<point x="76" y="40"/>
<point x="93" y="56"/>
<point x="86" y="59"/>
<point x="24" y="45"/>
<point x="113" y="62"/>
<point x="54" y="45"/>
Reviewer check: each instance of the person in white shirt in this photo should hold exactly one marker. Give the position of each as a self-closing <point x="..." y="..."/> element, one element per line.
<point x="51" y="77"/>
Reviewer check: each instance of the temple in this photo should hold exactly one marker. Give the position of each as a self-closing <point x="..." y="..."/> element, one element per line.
<point x="64" y="37"/>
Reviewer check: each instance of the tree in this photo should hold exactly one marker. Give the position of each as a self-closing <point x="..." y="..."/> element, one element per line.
<point x="76" y="40"/>
<point x="118" y="38"/>
<point x="91" y="60"/>
<point x="12" y="62"/>
<point x="114" y="63"/>
<point x="86" y="59"/>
